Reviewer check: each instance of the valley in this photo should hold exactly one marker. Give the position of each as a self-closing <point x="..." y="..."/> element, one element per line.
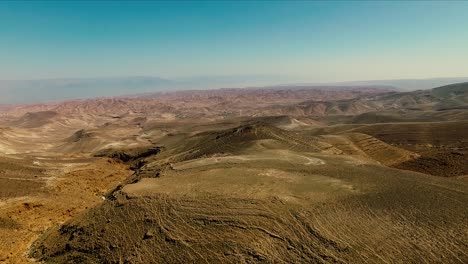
<point x="302" y="174"/>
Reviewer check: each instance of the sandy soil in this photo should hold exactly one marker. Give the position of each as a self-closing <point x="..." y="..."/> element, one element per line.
<point x="70" y="192"/>
<point x="229" y="176"/>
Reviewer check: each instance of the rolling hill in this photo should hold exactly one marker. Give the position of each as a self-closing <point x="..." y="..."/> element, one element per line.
<point x="291" y="174"/>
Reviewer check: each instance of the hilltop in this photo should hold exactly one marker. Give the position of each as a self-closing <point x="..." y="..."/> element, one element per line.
<point x="301" y="174"/>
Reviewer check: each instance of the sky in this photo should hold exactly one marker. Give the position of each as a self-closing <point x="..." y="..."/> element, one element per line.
<point x="303" y="41"/>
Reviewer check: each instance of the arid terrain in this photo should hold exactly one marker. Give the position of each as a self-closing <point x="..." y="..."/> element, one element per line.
<point x="269" y="175"/>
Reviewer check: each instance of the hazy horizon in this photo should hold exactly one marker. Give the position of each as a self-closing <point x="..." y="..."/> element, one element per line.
<point x="70" y="50"/>
<point x="199" y="77"/>
<point x="263" y="131"/>
<point x="51" y="90"/>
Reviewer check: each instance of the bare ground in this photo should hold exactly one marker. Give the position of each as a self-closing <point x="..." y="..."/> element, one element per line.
<point x="24" y="218"/>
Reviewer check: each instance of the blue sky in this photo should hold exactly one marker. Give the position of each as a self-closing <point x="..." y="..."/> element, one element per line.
<point x="303" y="41"/>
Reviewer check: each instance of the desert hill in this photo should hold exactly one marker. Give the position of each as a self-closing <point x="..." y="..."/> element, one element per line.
<point x="259" y="193"/>
<point x="33" y="120"/>
<point x="227" y="103"/>
<point x="290" y="174"/>
<point x="449" y="97"/>
<point x="211" y="103"/>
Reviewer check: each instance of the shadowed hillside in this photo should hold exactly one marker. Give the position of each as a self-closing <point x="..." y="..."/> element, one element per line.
<point x="257" y="176"/>
<point x="257" y="193"/>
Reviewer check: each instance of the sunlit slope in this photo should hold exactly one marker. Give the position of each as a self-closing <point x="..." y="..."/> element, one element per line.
<point x="257" y="193"/>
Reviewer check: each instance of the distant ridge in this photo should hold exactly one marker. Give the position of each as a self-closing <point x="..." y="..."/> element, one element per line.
<point x="401" y="84"/>
<point x="29" y="91"/>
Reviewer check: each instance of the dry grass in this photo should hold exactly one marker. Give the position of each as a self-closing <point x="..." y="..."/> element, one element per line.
<point x="266" y="189"/>
<point x="220" y="206"/>
<point x="168" y="229"/>
<point x="23" y="219"/>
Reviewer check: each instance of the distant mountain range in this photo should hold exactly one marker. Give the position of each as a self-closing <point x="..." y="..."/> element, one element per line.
<point x="27" y="91"/>
<point x="400" y="84"/>
<point x="365" y="103"/>
<point x="415" y="84"/>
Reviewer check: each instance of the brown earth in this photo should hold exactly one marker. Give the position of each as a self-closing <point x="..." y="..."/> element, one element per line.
<point x="448" y="163"/>
<point x="237" y="175"/>
<point x="24" y="219"/>
<point x="20" y="178"/>
<point x="440" y="146"/>
<point x="262" y="194"/>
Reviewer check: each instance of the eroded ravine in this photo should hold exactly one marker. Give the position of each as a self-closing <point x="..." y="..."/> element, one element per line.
<point x="69" y="192"/>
